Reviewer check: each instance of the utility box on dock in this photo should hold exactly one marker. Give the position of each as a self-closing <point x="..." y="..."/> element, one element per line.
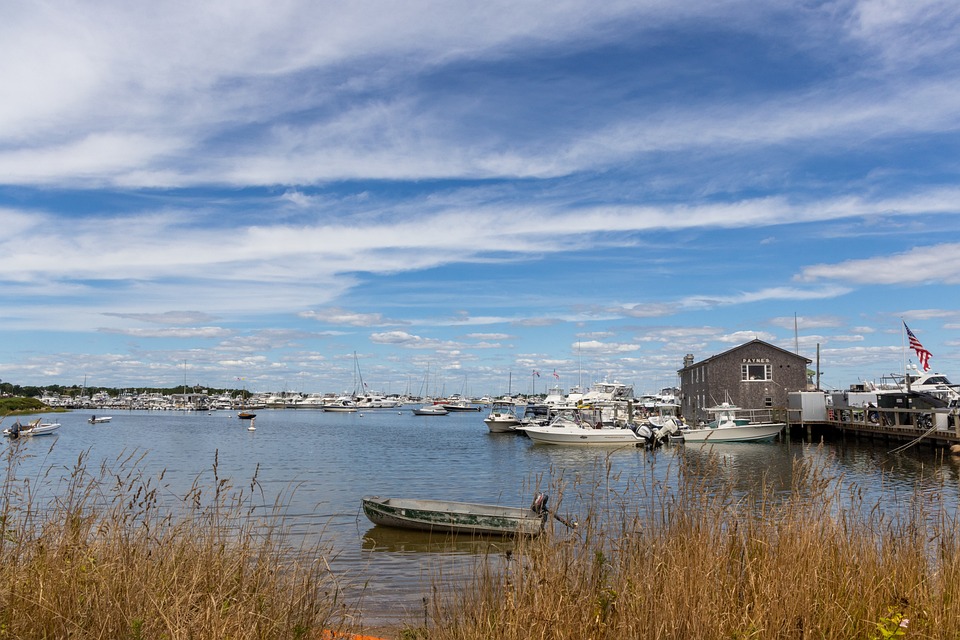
<point x="811" y="406"/>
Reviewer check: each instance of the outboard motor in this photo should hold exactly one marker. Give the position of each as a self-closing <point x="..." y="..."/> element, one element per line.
<point x="539" y="505"/>
<point x="644" y="431"/>
<point x="668" y="428"/>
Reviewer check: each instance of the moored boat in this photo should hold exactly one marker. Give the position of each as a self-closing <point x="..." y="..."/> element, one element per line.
<point x="460" y="404"/>
<point x="100" y="420"/>
<point x="341" y="405"/>
<point x="502" y="418"/>
<point x="33" y="428"/>
<point x="456" y="517"/>
<point x="430" y="410"/>
<point x="728" y="427"/>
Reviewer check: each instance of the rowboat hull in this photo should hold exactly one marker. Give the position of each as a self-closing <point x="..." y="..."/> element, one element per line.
<point x="452" y="517"/>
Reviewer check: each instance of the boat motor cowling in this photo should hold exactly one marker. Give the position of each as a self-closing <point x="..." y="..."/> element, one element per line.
<point x="540" y="503"/>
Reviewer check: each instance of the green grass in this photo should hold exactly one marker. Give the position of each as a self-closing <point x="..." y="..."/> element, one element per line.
<point x="22" y="406"/>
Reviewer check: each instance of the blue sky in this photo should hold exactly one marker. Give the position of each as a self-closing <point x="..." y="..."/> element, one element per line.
<point x="222" y="190"/>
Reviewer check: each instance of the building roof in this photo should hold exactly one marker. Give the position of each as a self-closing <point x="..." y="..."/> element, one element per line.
<point x="746" y="344"/>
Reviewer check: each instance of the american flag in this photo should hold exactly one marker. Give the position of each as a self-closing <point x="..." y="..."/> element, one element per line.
<point x="922" y="354"/>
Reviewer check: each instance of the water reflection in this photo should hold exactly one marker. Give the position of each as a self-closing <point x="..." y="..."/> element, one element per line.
<point x="381" y="539"/>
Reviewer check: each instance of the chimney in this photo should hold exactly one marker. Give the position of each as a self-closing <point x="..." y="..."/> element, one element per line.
<point x="687" y="360"/>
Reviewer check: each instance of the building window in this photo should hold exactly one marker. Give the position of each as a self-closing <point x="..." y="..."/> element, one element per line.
<point x="768" y="402"/>
<point x="752" y="372"/>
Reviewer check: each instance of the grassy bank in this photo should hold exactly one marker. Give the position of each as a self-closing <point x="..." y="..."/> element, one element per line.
<point x="698" y="561"/>
<point x="23" y="406"/>
<point x="110" y="558"/>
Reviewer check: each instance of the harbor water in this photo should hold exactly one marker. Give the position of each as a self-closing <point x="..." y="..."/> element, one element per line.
<point x="318" y="465"/>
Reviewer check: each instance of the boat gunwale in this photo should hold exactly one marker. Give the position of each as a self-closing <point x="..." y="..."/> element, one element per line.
<point x="452" y="516"/>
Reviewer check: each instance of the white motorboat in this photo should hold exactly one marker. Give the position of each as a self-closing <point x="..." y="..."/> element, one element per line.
<point x="582" y="435"/>
<point x="430" y="409"/>
<point x="583" y="427"/>
<point x="376" y="401"/>
<point x="341" y="405"/>
<point x="460" y="404"/>
<point x="727" y="427"/>
<point x="34" y="428"/>
<point x="502" y="418"/>
<point x="100" y="420"/>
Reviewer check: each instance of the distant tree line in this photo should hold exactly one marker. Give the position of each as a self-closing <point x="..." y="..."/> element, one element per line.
<point x="8" y="389"/>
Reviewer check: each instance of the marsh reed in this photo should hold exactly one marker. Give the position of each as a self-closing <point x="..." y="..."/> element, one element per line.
<point x="698" y="559"/>
<point x="111" y="554"/>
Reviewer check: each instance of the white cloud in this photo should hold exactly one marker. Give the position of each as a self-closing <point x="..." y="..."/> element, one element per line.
<point x="920" y="265"/>
<point x="335" y="315"/>
<point x="167" y="317"/>
<point x="181" y="332"/>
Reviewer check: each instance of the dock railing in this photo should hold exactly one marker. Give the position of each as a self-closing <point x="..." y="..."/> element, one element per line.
<point x="937" y="424"/>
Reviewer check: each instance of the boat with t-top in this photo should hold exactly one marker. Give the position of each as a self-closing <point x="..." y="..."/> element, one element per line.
<point x="728" y="426"/>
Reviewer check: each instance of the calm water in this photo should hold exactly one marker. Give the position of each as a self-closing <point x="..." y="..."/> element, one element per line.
<point x="321" y="464"/>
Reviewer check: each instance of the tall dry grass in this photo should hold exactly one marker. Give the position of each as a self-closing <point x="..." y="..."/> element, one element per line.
<point x="698" y="560"/>
<point x="113" y="555"/>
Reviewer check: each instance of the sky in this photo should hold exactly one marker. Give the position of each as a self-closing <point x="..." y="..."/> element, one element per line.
<point x="463" y="197"/>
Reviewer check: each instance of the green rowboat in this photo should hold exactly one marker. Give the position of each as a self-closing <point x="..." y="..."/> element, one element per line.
<point x="456" y="517"/>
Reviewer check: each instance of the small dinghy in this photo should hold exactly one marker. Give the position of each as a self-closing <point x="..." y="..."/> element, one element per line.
<point x="457" y="517"/>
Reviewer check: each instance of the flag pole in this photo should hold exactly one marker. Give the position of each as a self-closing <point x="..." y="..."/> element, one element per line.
<point x="903" y="351"/>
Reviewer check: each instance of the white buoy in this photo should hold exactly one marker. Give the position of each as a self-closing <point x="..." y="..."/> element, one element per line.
<point x="361" y="415"/>
<point x="251" y="427"/>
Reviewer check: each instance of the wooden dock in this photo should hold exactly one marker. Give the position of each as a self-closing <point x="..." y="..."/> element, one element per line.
<point x="931" y="427"/>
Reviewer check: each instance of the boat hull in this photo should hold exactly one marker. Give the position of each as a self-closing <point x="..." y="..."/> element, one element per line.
<point x="44" y="429"/>
<point x="740" y="433"/>
<point x="502" y="421"/>
<point x="452" y="517"/>
<point x="582" y="436"/>
<point x="429" y="411"/>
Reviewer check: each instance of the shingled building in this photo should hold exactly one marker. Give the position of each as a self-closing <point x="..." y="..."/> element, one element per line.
<point x="755" y="375"/>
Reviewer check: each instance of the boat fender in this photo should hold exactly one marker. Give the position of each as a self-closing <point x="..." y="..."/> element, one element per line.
<point x="539" y="505"/>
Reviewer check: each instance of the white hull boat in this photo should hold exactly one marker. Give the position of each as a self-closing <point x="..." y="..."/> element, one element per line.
<point x="759" y="432"/>
<point x="502" y="418"/>
<point x="584" y="436"/>
<point x="430" y="410"/>
<point x="341" y="405"/>
<point x="35" y="428"/>
<point x="727" y="427"/>
<point x="584" y="427"/>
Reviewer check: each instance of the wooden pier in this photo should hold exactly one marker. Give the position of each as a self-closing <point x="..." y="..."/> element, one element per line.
<point x="931" y="427"/>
